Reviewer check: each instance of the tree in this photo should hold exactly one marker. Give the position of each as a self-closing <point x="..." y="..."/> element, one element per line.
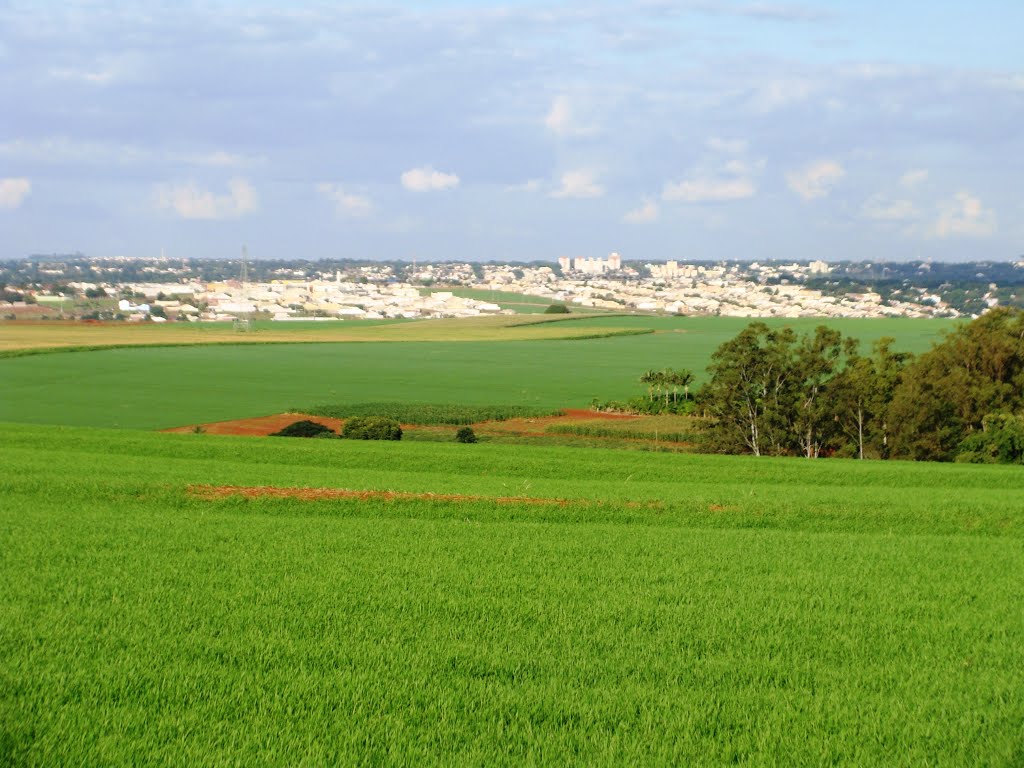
<point x="650" y="378"/>
<point x="815" y="363"/>
<point x="556" y="309"/>
<point x="1000" y="441"/>
<point x="770" y="391"/>
<point x="465" y="435"/>
<point x="944" y="396"/>
<point x="305" y="428"/>
<point x="748" y="389"/>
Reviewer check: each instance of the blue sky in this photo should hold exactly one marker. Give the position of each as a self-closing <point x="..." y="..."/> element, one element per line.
<point x="708" y="129"/>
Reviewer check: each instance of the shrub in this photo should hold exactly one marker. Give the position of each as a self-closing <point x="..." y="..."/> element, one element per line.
<point x="556" y="309"/>
<point x="305" y="428"/>
<point x="372" y="428"/>
<point x="424" y="413"/>
<point x="466" y="435"/>
<point x="1000" y="441"/>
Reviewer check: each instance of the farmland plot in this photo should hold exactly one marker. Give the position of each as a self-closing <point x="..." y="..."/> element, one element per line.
<point x="678" y="609"/>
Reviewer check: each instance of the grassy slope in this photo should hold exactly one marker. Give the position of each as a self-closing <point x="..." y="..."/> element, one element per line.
<point x="767" y="612"/>
<point x="165" y="387"/>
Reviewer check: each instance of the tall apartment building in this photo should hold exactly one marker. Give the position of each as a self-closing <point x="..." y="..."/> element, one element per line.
<point x="590" y="265"/>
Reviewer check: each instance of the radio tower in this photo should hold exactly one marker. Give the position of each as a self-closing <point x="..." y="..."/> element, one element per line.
<point x="244" y="323"/>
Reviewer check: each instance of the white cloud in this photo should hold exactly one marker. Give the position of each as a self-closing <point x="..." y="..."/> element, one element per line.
<point x="531" y="185"/>
<point x="705" y="190"/>
<point x="778" y="94"/>
<point x="13" y="192"/>
<point x="92" y="77"/>
<point x="579" y="183"/>
<point x="426" y="179"/>
<point x="648" y="211"/>
<point x="191" y="202"/>
<point x="963" y="214"/>
<point x="221" y="159"/>
<point x="728" y="146"/>
<point x="346" y="203"/>
<point x="881" y="208"/>
<point x="913" y="178"/>
<point x="562" y="119"/>
<point x="815" y="180"/>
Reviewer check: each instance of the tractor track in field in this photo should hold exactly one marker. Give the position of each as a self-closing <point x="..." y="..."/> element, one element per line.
<point x="213" y="492"/>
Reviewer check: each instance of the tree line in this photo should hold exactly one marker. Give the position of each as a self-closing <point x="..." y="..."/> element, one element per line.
<point x="773" y="391"/>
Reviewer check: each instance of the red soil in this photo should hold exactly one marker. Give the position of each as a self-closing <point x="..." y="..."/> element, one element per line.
<point x="260" y="426"/>
<point x="266" y="425"/>
<point x="211" y="492"/>
<point x="315" y="494"/>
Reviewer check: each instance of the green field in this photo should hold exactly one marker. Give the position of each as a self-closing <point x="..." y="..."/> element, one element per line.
<point x="159" y="387"/>
<point x="499" y="603"/>
<point x="669" y="609"/>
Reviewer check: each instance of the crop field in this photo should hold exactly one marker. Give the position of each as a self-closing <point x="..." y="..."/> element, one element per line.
<point x="18" y="338"/>
<point x="481" y="362"/>
<point x="167" y="599"/>
<point x="676" y="428"/>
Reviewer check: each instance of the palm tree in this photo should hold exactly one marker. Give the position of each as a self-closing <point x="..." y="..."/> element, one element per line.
<point x="684" y="379"/>
<point x="650" y="378"/>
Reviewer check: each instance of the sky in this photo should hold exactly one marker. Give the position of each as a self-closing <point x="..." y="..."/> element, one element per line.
<point x="515" y="131"/>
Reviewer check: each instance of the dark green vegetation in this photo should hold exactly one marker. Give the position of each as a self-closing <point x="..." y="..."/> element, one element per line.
<point x="166" y="387"/>
<point x="676" y="610"/>
<point x="945" y="396"/>
<point x="372" y="428"/>
<point x="774" y="391"/>
<point x="466" y="435"/>
<point x="305" y="428"/>
<point x="425" y="413"/>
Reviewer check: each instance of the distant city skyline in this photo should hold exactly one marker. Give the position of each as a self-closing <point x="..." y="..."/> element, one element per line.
<point x="698" y="130"/>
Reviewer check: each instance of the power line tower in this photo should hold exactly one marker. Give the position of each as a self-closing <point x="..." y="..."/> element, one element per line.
<point x="244" y="322"/>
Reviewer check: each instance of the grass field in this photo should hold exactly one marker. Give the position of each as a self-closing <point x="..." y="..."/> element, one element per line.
<point x="476" y="363"/>
<point x="686" y="610"/>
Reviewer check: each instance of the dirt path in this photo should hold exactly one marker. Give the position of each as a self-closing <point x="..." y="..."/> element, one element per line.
<point x="262" y="426"/>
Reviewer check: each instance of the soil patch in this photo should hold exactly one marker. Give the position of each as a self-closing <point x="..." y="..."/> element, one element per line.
<point x="260" y="426"/>
<point x="212" y="492"/>
<point x="317" y="494"/>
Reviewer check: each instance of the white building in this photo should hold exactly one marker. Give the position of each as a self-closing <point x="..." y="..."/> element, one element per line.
<point x="593" y="266"/>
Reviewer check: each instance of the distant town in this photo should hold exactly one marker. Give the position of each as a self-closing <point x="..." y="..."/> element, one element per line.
<point x="192" y="290"/>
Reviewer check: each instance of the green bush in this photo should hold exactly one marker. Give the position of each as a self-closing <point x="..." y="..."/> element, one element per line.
<point x="466" y="435"/>
<point x="372" y="428"/>
<point x="1000" y="441"/>
<point x="556" y="309"/>
<point x="305" y="428"/>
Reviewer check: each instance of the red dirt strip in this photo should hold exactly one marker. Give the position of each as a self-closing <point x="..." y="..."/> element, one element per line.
<point x="211" y="492"/>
